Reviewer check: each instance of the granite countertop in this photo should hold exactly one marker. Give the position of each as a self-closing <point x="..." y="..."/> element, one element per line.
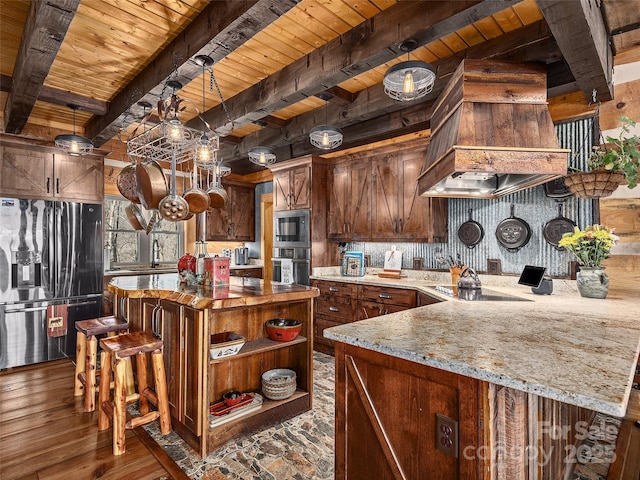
<point x="145" y="269"/>
<point x="240" y="292"/>
<point x="576" y="350"/>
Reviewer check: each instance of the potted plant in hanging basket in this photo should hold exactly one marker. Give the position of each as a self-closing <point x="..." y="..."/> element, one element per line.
<point x="590" y="247"/>
<point x="610" y="165"/>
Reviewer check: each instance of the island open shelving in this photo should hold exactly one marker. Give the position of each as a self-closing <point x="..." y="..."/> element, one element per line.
<point x="186" y="317"/>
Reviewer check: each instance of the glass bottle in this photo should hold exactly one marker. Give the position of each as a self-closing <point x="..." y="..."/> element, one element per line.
<point x="201" y="254"/>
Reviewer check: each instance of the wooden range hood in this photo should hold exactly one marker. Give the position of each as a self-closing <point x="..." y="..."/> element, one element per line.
<point x="492" y="133"/>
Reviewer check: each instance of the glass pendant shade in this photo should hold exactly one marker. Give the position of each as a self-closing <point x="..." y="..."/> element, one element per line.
<point x="409" y="80"/>
<point x="175" y="132"/>
<point x="326" y="137"/>
<point x="206" y="154"/>
<point x="262" y="156"/>
<point x="74" y="144"/>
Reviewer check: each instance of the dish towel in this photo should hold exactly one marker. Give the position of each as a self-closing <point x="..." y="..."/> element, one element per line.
<point x="286" y="265"/>
<point x="56" y="320"/>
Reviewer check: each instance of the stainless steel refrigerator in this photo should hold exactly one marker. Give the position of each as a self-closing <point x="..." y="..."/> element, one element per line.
<point x="50" y="277"/>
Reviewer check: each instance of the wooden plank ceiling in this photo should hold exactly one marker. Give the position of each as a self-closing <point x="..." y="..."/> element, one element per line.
<point x="273" y="58"/>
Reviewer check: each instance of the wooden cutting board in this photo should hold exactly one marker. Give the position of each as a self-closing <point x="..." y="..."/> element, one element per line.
<point x="393" y="259"/>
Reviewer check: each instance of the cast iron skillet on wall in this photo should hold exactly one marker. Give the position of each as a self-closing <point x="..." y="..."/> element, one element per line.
<point x="513" y="233"/>
<point x="556" y="227"/>
<point x="471" y="232"/>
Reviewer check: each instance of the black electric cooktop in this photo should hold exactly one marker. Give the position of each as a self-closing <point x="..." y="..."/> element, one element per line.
<point x="478" y="295"/>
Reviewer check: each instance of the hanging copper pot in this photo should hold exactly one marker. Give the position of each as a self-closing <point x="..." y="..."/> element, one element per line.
<point x="151" y="184"/>
<point x="127" y="184"/>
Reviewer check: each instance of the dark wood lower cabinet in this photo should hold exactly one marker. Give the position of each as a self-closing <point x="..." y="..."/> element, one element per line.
<point x="385" y="418"/>
<point x="388" y="424"/>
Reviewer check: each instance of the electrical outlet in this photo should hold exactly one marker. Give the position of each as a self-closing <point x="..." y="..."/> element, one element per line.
<point x="447" y="435"/>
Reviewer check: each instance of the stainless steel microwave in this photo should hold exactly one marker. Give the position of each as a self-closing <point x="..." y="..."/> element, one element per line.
<point x="291" y="229"/>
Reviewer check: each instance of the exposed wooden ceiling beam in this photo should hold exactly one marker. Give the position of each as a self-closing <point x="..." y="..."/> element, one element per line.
<point x="62" y="97"/>
<point x="45" y="28"/>
<point x="579" y="29"/>
<point x="368" y="45"/>
<point x="222" y="27"/>
<point x="533" y="43"/>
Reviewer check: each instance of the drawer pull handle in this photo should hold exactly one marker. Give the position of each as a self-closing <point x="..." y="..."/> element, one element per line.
<point x="334" y="309"/>
<point x="386" y="296"/>
<point x="333" y="289"/>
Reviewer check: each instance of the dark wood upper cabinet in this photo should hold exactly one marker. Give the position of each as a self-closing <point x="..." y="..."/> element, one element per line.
<point x="40" y="172"/>
<point x="375" y="197"/>
<point x="236" y="220"/>
<point x="349" y="213"/>
<point x="292" y="188"/>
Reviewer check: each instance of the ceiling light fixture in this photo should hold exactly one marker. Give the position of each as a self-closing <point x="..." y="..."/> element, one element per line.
<point x="325" y="136"/>
<point x="205" y="151"/>
<point x="411" y="79"/>
<point x="262" y="156"/>
<point x="74" y="144"/>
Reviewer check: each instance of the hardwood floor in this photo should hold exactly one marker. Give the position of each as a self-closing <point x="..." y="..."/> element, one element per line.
<point x="45" y="434"/>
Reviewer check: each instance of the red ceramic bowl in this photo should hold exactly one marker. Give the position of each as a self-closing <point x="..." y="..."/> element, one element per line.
<point x="283" y="329"/>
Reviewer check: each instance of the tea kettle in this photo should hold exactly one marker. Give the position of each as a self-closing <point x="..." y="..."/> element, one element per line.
<point x="469" y="279"/>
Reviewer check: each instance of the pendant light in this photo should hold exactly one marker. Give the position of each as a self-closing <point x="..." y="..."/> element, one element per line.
<point x="174" y="128"/>
<point x="205" y="153"/>
<point x="262" y="156"/>
<point x="325" y="136"/>
<point x="75" y="145"/>
<point x="411" y="79"/>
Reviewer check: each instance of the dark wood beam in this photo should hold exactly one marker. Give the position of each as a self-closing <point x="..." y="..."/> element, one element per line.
<point x="338" y="96"/>
<point x="220" y="28"/>
<point x="580" y="31"/>
<point x="44" y="31"/>
<point x="272" y="122"/>
<point x="62" y="97"/>
<point x="368" y="45"/>
<point x="533" y="43"/>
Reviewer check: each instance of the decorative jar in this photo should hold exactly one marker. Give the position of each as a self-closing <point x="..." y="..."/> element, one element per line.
<point x="592" y="282"/>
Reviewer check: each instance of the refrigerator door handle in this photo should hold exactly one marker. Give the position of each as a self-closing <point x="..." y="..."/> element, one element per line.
<point x="30" y="309"/>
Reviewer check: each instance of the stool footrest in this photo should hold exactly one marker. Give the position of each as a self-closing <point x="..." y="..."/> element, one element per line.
<point x="142" y="420"/>
<point x="107" y="408"/>
<point x="151" y="395"/>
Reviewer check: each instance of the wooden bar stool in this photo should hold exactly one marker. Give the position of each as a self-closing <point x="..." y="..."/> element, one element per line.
<point x="86" y="355"/>
<point x="116" y="354"/>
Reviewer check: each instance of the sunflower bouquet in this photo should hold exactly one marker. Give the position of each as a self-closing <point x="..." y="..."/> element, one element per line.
<point x="590" y="246"/>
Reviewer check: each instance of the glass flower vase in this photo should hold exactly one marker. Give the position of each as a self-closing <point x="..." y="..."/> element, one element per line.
<point x="592" y="282"/>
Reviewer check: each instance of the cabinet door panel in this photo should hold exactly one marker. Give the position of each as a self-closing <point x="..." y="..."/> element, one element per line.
<point x="242" y="204"/>
<point x="281" y="191"/>
<point x="79" y="178"/>
<point x="301" y="187"/>
<point x="359" y="200"/>
<point x="25" y="173"/>
<point x="193" y="363"/>
<point x="385" y="197"/>
<point x="218" y="224"/>
<point x="414" y="209"/>
<point x="170" y="329"/>
<point x="339" y="202"/>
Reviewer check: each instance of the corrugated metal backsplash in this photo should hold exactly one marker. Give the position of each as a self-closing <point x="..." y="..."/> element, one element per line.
<point x="531" y="205"/>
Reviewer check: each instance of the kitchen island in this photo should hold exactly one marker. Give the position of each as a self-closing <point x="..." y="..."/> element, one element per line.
<point x="479" y="389"/>
<point x="186" y="317"/>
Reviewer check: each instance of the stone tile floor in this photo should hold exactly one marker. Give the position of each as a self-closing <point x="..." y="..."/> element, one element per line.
<point x="302" y="448"/>
<point x="297" y="449"/>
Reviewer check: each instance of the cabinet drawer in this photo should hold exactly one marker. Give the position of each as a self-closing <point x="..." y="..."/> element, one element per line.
<point x="341" y="289"/>
<point x="246" y="272"/>
<point x="319" y="325"/>
<point x="388" y="296"/>
<point x="375" y="309"/>
<point x="342" y="309"/>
